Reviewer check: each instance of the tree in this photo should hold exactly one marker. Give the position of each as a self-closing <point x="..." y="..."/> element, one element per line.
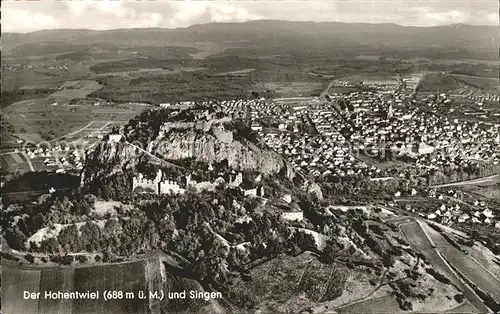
<point x="459" y="297"/>
<point x="108" y="256"/>
<point x="388" y="260"/>
<point x="91" y="236"/>
<point x="201" y="270"/>
<point x="70" y="239"/>
<point x="328" y="254"/>
<point x="30" y="258"/>
<point x="50" y="245"/>
<point x="82" y="258"/>
<point x="67" y="260"/>
<point x="475" y="235"/>
<point x="490" y="243"/>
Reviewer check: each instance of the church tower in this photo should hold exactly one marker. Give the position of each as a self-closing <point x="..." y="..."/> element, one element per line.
<point x="390" y="112"/>
<point x="248" y="116"/>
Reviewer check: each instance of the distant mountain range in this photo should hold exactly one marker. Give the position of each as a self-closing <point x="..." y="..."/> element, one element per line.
<point x="276" y="33"/>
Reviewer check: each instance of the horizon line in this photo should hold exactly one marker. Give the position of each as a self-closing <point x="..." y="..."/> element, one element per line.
<point x="243" y="22"/>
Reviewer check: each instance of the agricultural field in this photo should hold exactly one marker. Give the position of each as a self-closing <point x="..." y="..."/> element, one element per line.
<point x="66" y="114"/>
<point x="473" y="270"/>
<point x="46" y="86"/>
<point x="75" y="89"/>
<point x="128" y="276"/>
<point x="14" y="282"/>
<point x="289" y="89"/>
<point x="486" y="83"/>
<point x="388" y="76"/>
<point x="418" y="238"/>
<point x="146" y="275"/>
<point x="134" y="72"/>
<point x="385" y="304"/>
<point x="14" y="162"/>
<point x="37" y="120"/>
<point x="54" y="279"/>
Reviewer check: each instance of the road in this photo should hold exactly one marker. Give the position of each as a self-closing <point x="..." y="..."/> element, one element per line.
<point x="153" y="156"/>
<point x="416" y="236"/>
<point x="28" y="161"/>
<point x="474" y="271"/>
<point x="422" y="78"/>
<point x="24" y="155"/>
<point x="325" y="92"/>
<point x="34" y="192"/>
<point x="491" y="179"/>
<point x="15" y="151"/>
<point x="75" y="132"/>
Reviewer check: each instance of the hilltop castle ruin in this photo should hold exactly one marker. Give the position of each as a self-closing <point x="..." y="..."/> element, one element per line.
<point x="215" y="125"/>
<point x="157" y="185"/>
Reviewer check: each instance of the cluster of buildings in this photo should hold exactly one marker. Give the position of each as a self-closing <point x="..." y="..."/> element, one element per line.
<point x="485" y="97"/>
<point x="377" y="123"/>
<point x="453" y="210"/>
<point x="160" y="185"/>
<point x="57" y="157"/>
<point x="49" y="65"/>
<point x="434" y="141"/>
<point x="382" y="84"/>
<point x="318" y="156"/>
<point x="279" y="125"/>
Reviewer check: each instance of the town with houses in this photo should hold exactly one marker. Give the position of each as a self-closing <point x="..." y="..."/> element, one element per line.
<point x="62" y="65"/>
<point x="324" y="140"/>
<point x="264" y="166"/>
<point x="360" y="133"/>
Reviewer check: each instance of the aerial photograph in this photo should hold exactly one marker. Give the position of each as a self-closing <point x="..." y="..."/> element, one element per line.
<point x="224" y="157"/>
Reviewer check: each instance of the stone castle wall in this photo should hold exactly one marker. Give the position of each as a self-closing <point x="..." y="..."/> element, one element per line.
<point x="145" y="184"/>
<point x="167" y="187"/>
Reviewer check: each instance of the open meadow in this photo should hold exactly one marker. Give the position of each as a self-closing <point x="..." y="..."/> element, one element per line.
<point x="37" y="120"/>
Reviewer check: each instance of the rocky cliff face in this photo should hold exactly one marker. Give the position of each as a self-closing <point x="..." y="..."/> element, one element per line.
<point x="313" y="188"/>
<point x="240" y="154"/>
<point x="114" y="157"/>
<point x="108" y="159"/>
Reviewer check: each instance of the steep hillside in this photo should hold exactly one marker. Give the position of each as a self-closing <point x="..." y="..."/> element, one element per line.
<point x="167" y="137"/>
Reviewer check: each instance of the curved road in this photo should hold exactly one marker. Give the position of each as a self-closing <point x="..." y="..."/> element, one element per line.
<point x="490" y="179"/>
<point x="469" y="267"/>
<point x="423" y="244"/>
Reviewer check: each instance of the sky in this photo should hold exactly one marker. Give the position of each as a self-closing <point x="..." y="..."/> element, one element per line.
<point x="29" y="15"/>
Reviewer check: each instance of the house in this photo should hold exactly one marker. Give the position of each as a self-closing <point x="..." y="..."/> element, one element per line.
<point x="463" y="218"/>
<point x="293" y="216"/>
<point x="114" y="138"/>
<point x="236" y="182"/>
<point x="259" y="191"/>
<point x="287" y="198"/>
<point x="488" y="213"/>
